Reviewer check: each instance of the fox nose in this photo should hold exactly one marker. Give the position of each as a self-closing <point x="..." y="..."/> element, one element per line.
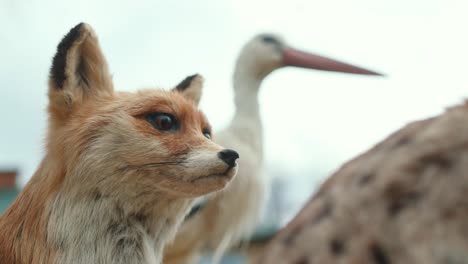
<point x="229" y="156"/>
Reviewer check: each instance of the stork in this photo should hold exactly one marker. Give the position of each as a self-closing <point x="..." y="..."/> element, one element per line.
<point x="232" y="215"/>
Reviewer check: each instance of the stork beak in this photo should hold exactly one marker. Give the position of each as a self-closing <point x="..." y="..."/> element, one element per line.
<point x="294" y="57"/>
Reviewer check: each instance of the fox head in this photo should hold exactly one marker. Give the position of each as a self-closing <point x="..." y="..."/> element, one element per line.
<point x="128" y="144"/>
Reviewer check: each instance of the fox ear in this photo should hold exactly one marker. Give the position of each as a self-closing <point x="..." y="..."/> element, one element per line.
<point x="191" y="87"/>
<point x="79" y="70"/>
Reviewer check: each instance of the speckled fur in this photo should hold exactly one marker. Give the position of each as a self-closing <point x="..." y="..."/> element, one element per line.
<point x="403" y="201"/>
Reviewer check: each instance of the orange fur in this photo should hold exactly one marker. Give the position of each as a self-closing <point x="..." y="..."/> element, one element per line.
<point x="112" y="187"/>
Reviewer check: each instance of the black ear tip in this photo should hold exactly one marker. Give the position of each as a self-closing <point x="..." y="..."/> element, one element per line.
<point x="186" y="82"/>
<point x="57" y="72"/>
<point x="77" y="27"/>
<point x="70" y="38"/>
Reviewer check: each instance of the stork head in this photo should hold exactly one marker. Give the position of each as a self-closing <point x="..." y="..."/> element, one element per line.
<point x="268" y="52"/>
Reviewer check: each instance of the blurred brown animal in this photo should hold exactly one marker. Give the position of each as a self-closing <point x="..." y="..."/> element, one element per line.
<point x="403" y="201"/>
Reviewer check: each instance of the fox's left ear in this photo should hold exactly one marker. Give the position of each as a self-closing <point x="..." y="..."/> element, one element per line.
<point x="79" y="72"/>
<point x="191" y="87"/>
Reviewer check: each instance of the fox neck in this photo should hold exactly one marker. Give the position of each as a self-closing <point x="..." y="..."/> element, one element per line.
<point x="123" y="232"/>
<point x="247" y="122"/>
<point x="64" y="224"/>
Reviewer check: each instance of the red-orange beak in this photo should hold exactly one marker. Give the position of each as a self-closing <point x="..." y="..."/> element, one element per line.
<point x="294" y="57"/>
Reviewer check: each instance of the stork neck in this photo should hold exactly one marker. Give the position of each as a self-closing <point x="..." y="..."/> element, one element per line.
<point x="247" y="124"/>
<point x="246" y="89"/>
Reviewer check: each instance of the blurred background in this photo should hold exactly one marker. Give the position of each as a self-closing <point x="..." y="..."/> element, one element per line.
<point x="313" y="121"/>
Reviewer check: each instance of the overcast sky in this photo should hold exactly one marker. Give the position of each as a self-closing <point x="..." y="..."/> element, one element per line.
<point x="314" y="121"/>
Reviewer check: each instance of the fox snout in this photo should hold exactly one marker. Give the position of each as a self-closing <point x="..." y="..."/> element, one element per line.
<point x="229" y="156"/>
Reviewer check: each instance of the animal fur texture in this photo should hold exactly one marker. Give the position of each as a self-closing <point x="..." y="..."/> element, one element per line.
<point x="120" y="170"/>
<point x="403" y="201"/>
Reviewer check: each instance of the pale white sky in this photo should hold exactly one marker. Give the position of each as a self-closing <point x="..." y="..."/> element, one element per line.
<point x="314" y="121"/>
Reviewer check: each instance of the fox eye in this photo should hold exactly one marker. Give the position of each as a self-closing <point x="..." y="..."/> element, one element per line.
<point x="162" y="121"/>
<point x="207" y="133"/>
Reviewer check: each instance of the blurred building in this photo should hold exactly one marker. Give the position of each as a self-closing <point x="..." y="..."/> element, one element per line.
<point x="8" y="188"/>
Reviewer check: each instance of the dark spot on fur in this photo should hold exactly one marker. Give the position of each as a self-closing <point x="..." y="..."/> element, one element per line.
<point x="303" y="260"/>
<point x="402" y="141"/>
<point x="337" y="247"/>
<point x="185" y="83"/>
<point x="324" y="212"/>
<point x="59" y="62"/>
<point x="366" y="178"/>
<point x="399" y="197"/>
<point x="378" y="255"/>
<point x="437" y="159"/>
<point x="140" y="219"/>
<point x="97" y="195"/>
<point x="449" y="213"/>
<point x="403" y="201"/>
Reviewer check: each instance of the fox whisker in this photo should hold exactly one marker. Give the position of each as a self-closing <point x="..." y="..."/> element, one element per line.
<point x="154" y="164"/>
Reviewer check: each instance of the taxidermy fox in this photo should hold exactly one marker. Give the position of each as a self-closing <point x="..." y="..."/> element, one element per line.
<point x="120" y="170"/>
